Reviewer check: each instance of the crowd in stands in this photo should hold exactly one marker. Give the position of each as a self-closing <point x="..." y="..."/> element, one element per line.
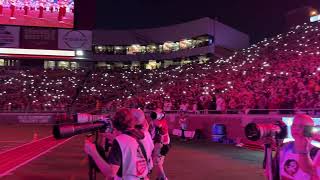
<point x="37" y="90"/>
<point x="282" y="72"/>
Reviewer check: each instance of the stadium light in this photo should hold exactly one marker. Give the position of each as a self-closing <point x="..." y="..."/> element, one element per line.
<point x="313" y="13"/>
<point x="315" y="18"/>
<point x="37" y="52"/>
<point x="79" y="53"/>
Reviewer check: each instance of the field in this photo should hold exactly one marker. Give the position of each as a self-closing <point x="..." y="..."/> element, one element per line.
<point x="49" y="159"/>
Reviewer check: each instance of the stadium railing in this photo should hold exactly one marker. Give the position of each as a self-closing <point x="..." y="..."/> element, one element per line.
<point x="90" y="108"/>
<point x="315" y="111"/>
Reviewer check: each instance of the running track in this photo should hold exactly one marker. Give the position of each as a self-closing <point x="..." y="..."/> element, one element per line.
<point x="16" y="157"/>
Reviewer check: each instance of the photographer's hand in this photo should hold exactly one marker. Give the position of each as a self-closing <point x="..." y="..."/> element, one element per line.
<point x="302" y="145"/>
<point x="108" y="170"/>
<point x="89" y="148"/>
<point x="269" y="140"/>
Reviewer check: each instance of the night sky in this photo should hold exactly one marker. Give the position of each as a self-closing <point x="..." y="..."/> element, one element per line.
<point x="258" y="18"/>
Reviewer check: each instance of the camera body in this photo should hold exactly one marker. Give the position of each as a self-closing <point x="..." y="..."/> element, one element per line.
<point x="157" y="115"/>
<point x="108" y="124"/>
<point x="255" y="132"/>
<point x="311" y="131"/>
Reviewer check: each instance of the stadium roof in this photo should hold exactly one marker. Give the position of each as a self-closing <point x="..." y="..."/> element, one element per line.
<point x="257" y="18"/>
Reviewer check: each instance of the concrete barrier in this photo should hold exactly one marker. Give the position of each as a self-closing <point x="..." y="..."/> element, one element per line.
<point x="29" y="118"/>
<point x="235" y="123"/>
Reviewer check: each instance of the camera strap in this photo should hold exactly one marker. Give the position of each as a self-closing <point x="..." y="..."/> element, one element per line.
<point x="143" y="150"/>
<point x="138" y="136"/>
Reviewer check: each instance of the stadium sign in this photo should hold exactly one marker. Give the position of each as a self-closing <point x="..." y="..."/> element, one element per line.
<point x="38" y="38"/>
<point x="9" y="36"/>
<point x="35" y="119"/>
<point x="75" y="40"/>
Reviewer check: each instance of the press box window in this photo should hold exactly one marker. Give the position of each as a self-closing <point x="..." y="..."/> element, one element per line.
<point x="49" y="64"/>
<point x="136" y="49"/>
<point x="170" y="46"/>
<point x="99" y="49"/>
<point x="2" y="62"/>
<point x="152" y="48"/>
<point x="202" y="41"/>
<point x="186" y="44"/>
<point x="122" y="50"/>
<point x="63" y="65"/>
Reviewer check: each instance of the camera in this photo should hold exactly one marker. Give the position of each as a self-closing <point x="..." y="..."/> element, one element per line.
<point x="157" y="115"/>
<point x="61" y="131"/>
<point x="254" y="131"/>
<point x="310" y="131"/>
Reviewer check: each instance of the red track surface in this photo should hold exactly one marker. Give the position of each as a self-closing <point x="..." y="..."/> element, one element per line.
<point x="16" y="157"/>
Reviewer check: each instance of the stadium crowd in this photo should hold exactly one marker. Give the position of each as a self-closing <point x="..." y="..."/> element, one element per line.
<point x="277" y="73"/>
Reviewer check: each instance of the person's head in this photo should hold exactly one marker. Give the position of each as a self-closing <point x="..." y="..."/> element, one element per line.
<point x="140" y="119"/>
<point x="157" y="114"/>
<point x="123" y="120"/>
<point x="299" y="122"/>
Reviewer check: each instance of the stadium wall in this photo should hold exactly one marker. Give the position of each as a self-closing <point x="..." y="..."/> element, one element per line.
<point x="203" y="124"/>
<point x="230" y="38"/>
<point x="29" y="118"/>
<point x="235" y="123"/>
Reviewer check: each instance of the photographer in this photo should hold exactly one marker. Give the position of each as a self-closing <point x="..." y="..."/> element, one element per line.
<point x="130" y="154"/>
<point x="161" y="139"/>
<point x="299" y="160"/>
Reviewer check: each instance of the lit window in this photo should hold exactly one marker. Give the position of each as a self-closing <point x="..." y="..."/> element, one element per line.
<point x="186" y="44"/>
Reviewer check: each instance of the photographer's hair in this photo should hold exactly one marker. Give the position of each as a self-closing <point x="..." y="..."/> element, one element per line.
<point x="140" y="119"/>
<point x="303" y="118"/>
<point x="123" y="119"/>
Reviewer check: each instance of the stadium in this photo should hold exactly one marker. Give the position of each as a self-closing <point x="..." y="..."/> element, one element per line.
<point x="220" y="95"/>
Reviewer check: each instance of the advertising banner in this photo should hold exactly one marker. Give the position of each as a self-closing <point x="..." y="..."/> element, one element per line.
<point x="73" y="39"/>
<point x="35" y="119"/>
<point x="38" y="38"/>
<point x="84" y="117"/>
<point x="9" y="36"/>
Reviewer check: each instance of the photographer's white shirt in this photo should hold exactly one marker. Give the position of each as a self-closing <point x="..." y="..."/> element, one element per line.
<point x="289" y="164"/>
<point x="133" y="161"/>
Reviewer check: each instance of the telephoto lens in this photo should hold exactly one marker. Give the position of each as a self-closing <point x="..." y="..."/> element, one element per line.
<point x="254" y="131"/>
<point x="156" y="115"/>
<point x="61" y="131"/>
<point x="153" y="115"/>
